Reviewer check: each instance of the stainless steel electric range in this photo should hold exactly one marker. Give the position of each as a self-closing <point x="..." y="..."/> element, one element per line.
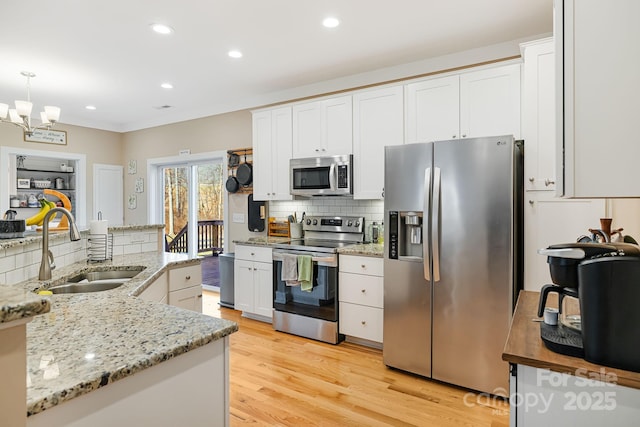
<point x="314" y="313"/>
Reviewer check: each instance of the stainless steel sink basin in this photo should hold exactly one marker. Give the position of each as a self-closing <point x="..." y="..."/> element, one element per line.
<point x="76" y="288"/>
<point x="96" y="281"/>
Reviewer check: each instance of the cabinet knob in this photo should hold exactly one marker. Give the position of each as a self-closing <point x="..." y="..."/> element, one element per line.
<point x="532" y="179"/>
<point x="188" y="277"/>
<point x="453" y="137"/>
<point x="464" y="135"/>
<point x="317" y="150"/>
<point x="364" y="291"/>
<point x="531" y="202"/>
<point x="200" y="296"/>
<point x="548" y="182"/>
<point x="252" y="254"/>
<point x="363" y="266"/>
<point x="363" y="323"/>
<point x="255" y="269"/>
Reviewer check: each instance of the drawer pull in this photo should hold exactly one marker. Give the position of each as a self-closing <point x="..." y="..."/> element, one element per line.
<point x="188" y="277"/>
<point x="363" y="266"/>
<point x="363" y="323"/>
<point x="364" y="291"/>
<point x="200" y="296"/>
<point x="252" y="254"/>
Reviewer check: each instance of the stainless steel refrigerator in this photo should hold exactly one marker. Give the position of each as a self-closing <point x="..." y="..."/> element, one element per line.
<point x="452" y="263"/>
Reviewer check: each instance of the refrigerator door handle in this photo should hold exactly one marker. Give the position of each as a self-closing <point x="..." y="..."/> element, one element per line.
<point x="426" y="256"/>
<point x="435" y="224"/>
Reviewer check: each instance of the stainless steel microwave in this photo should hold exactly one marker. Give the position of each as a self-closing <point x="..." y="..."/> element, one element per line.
<point x="322" y="176"/>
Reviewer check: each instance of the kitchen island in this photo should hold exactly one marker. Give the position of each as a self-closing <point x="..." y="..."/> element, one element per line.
<point x="106" y="358"/>
<point x="552" y="389"/>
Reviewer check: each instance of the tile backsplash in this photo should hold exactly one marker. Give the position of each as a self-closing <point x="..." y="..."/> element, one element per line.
<point x="371" y="210"/>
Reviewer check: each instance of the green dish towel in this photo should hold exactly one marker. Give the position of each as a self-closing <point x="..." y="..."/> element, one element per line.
<point x="305" y="272"/>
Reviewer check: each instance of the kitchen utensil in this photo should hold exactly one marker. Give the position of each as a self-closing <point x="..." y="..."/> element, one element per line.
<point x="291" y="219"/>
<point x="232" y="184"/>
<point x="244" y="173"/>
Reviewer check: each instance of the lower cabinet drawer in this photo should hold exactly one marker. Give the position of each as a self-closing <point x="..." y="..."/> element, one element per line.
<point x="185" y="277"/>
<point x="361" y="321"/>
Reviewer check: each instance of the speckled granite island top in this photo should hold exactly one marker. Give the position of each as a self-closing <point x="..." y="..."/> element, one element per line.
<point x="90" y="340"/>
<point x="17" y="303"/>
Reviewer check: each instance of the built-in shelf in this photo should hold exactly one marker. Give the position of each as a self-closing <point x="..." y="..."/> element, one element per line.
<point x="42" y="170"/>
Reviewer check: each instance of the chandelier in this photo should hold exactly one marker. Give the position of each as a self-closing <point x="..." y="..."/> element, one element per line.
<point x="21" y="115"/>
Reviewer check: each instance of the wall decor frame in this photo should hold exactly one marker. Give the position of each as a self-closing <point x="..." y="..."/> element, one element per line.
<point x="50" y="136"/>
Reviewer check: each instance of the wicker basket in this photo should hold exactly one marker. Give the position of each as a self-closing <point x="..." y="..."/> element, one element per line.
<point x="41" y="183"/>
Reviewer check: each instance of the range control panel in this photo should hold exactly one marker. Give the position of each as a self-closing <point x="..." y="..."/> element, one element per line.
<point x="336" y="224"/>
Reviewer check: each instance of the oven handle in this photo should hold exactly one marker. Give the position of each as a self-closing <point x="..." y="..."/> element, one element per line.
<point x="329" y="260"/>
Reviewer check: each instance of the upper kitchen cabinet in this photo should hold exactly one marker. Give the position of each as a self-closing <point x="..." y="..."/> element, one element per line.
<point x="377" y="122"/>
<point x="433" y="110"/>
<point x="539" y="114"/>
<point x="271" y="154"/>
<point x="472" y="104"/>
<point x="598" y="65"/>
<point x="490" y="102"/>
<point x="323" y="128"/>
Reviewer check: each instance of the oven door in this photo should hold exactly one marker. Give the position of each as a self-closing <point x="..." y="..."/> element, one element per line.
<point x="319" y="303"/>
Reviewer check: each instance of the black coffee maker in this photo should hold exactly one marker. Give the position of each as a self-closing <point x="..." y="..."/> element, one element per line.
<point x="603" y="281"/>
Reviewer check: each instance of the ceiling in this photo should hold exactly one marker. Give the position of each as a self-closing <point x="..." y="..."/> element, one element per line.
<point x="105" y="53"/>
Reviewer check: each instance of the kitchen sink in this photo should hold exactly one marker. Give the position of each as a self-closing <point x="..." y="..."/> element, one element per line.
<point x="96" y="281"/>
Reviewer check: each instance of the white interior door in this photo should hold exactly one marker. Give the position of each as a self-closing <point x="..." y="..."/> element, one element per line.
<point x="108" y="193"/>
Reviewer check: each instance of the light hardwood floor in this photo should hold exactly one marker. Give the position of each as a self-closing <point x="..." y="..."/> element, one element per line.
<point x="278" y="379"/>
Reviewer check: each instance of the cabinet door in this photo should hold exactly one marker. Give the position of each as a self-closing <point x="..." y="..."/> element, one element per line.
<point x="377" y="122"/>
<point x="307" y="129"/>
<point x="539" y="115"/>
<point x="272" y="130"/>
<point x="281" y="146"/>
<point x="597" y="48"/>
<point x="262" y="155"/>
<point x="187" y="298"/>
<point x="243" y="289"/>
<point x="490" y="102"/>
<point x="337" y="127"/>
<point x="433" y="110"/>
<point x="550" y="220"/>
<point x="263" y="289"/>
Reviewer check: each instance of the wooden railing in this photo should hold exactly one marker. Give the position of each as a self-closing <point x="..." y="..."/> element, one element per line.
<point x="209" y="238"/>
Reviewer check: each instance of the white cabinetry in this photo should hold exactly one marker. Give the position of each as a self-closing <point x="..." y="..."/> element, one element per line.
<point x="551" y="398"/>
<point x="157" y="291"/>
<point x="361" y="297"/>
<point x="185" y="287"/>
<point x="433" y="110"/>
<point x="377" y="122"/>
<point x="253" y="276"/>
<point x="539" y="114"/>
<point x="272" y="139"/>
<point x="597" y="60"/>
<point x="550" y="220"/>
<point x="323" y="128"/>
<point x="179" y="286"/>
<point x="473" y="104"/>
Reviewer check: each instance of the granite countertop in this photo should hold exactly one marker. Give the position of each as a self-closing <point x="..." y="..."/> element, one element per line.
<point x="365" y="249"/>
<point x="17" y="303"/>
<point x="89" y="340"/>
<point x="524" y="346"/>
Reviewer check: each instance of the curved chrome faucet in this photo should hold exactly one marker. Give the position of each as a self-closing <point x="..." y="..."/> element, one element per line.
<point x="47" y="264"/>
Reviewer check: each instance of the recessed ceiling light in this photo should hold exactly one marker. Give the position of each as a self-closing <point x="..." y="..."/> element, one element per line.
<point x="331" y="22"/>
<point x="90" y="107"/>
<point x="161" y="28"/>
<point x="166" y="86"/>
<point x="235" y="54"/>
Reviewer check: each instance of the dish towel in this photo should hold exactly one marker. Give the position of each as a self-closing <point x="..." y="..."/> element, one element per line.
<point x="305" y="272"/>
<point x="289" y="273"/>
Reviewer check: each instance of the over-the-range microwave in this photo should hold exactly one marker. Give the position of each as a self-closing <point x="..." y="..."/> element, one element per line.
<point x="322" y="176"/>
